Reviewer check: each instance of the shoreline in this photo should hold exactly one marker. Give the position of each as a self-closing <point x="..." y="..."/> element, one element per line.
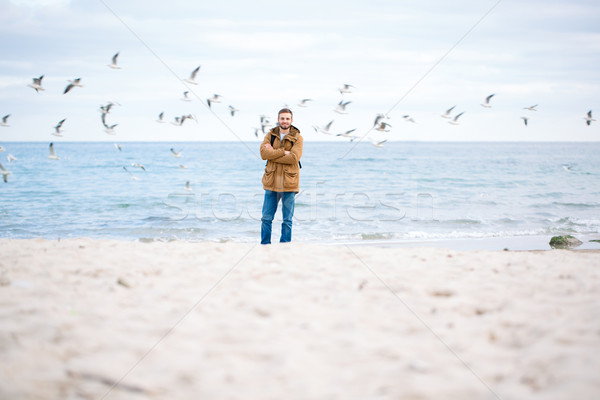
<point x="508" y="243"/>
<point x="511" y="243"/>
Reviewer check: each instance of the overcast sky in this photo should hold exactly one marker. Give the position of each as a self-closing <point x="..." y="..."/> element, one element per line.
<point x="402" y="57"/>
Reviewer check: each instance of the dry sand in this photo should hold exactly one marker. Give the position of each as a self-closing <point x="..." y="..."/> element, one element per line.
<point x="88" y="319"/>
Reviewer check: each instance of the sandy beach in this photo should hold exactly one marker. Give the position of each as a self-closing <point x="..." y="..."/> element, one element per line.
<point x="99" y="319"/>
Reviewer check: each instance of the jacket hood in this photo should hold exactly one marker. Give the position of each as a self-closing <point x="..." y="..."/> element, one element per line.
<point x="291" y="136"/>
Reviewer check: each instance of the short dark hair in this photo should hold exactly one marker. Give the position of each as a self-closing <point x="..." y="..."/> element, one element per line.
<point x="285" y="111"/>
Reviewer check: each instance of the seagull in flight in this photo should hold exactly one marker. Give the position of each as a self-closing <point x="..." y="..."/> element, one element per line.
<point x="233" y="110"/>
<point x="347" y="134"/>
<point x="10" y="158"/>
<point x="138" y="165"/>
<point x="264" y="123"/>
<point x="188" y="186"/>
<point x="341" y="107"/>
<point x="216" y="98"/>
<point x="118" y="147"/>
<point x="57" y="131"/>
<point x="448" y="112"/>
<point x="454" y="121"/>
<point x="5" y="120"/>
<point x="408" y="118"/>
<point x="52" y="154"/>
<point x="588" y="118"/>
<point x="72" y="84"/>
<point x="324" y="129"/>
<point x="304" y="102"/>
<point x="530" y="108"/>
<point x="160" y="117"/>
<point x="113" y="64"/>
<point x="382" y="127"/>
<point x="185" y="96"/>
<point x="5" y="173"/>
<point x="37" y="84"/>
<point x="110" y="129"/>
<point x="176" y="154"/>
<point x="135" y="178"/>
<point x="346" y="88"/>
<point x="192" y="78"/>
<point x="525" y="120"/>
<point x="487" y="101"/>
<point x="379" y="118"/>
<point x="106" y="109"/>
<point x="377" y="143"/>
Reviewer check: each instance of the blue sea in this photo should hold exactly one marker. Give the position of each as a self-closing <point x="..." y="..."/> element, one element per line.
<point x="350" y="192"/>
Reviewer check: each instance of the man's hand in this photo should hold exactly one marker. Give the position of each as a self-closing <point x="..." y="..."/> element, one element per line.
<point x="286" y="152"/>
<point x="268" y="146"/>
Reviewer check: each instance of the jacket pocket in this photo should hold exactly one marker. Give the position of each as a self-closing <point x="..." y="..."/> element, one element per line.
<point x="268" y="178"/>
<point x="291" y="179"/>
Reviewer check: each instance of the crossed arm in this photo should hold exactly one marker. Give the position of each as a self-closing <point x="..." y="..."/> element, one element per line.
<point x="267" y="152"/>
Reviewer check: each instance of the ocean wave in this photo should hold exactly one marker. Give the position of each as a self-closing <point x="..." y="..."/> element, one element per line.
<point x="575" y="205"/>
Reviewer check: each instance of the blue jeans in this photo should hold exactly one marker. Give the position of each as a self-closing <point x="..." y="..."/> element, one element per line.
<point x="268" y="213"/>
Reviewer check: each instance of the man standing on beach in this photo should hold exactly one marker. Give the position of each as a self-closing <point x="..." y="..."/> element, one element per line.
<point x="282" y="148"/>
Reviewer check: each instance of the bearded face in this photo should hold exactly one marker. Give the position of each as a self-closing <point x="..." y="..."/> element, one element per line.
<point x="285" y="120"/>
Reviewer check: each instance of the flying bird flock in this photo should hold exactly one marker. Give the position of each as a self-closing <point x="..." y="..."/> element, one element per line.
<point x="343" y="107"/>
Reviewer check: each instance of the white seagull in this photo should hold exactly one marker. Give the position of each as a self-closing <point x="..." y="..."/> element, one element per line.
<point x="408" y="118"/>
<point x="5" y="173"/>
<point x="135" y="178"/>
<point x="10" y="158"/>
<point x="176" y="154"/>
<point x="192" y="78"/>
<point x="188" y="186"/>
<point x="264" y="122"/>
<point x="448" y="112"/>
<point x="341" y="107"/>
<point x="113" y="64"/>
<point x="57" y="128"/>
<point x="530" y="108"/>
<point x="377" y="143"/>
<point x="110" y="129"/>
<point x="454" y="121"/>
<point x="185" y="96"/>
<point x="487" y="101"/>
<point x="37" y="84"/>
<point x="52" y="154"/>
<point x="303" y="102"/>
<point x="160" y="117"/>
<point x="379" y="118"/>
<point x="525" y="120"/>
<point x="74" y="83"/>
<point x="106" y="109"/>
<point x="588" y="118"/>
<point x="233" y="110"/>
<point x="324" y="129"/>
<point x="4" y="120"/>
<point x="382" y="127"/>
<point x="346" y="88"/>
<point x="118" y="147"/>
<point x="138" y="165"/>
<point x="347" y="134"/>
<point x="216" y="98"/>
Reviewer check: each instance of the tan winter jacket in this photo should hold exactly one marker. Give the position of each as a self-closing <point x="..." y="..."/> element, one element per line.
<point x="282" y="172"/>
